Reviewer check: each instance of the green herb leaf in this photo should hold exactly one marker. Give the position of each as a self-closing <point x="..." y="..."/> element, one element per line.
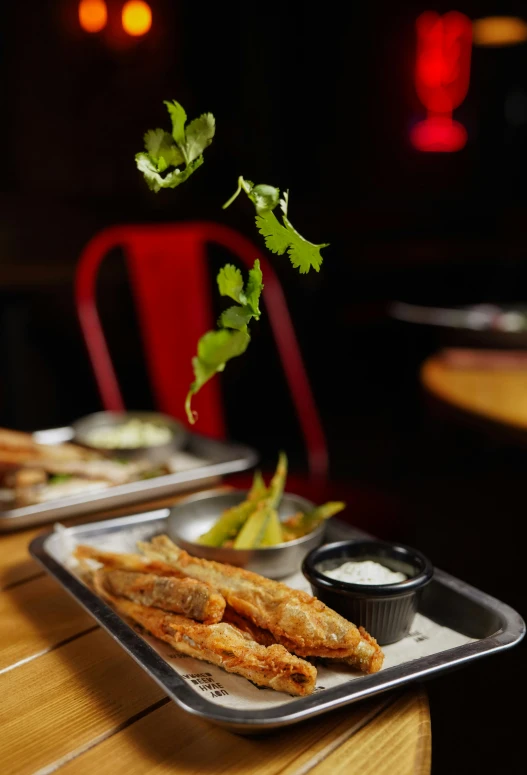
<point x="230" y="283"/>
<point x="304" y="255"/>
<point x="199" y="135"/>
<point x="254" y="289"/>
<point x="182" y="151"/>
<point x="275" y="235"/>
<point x="179" y="119"/>
<point x="236" y="317"/>
<point x="171" y="180"/>
<point x="279" y="238"/>
<point x="162" y="150"/>
<point x="264" y="197"/>
<point x="215" y="348"/>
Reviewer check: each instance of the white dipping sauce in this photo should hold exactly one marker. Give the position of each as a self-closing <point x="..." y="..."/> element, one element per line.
<point x="133" y="434"/>
<point x="365" y="572"/>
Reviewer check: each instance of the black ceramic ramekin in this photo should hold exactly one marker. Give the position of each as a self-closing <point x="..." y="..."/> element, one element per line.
<point x="386" y="611"/>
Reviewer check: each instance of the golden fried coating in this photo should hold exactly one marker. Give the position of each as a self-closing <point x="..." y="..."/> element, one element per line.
<point x="300" y="622"/>
<point x="123" y="561"/>
<point x="264" y="637"/>
<point x="220" y="644"/>
<point x="182" y="596"/>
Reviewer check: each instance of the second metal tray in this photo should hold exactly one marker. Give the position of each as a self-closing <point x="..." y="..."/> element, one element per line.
<point x="214" y="459"/>
<point x="480" y="624"/>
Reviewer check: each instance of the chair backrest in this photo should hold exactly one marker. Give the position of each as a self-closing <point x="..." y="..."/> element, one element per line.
<point x="168" y="270"/>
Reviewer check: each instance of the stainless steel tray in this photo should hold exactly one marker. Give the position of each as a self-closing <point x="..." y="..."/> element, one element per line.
<point x="492" y="626"/>
<point x="218" y="458"/>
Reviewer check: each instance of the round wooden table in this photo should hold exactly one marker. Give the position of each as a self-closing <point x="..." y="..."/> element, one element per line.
<point x="498" y="395"/>
<point x="74" y="702"/>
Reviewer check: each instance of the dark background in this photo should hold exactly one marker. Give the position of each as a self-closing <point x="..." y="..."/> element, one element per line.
<point x="320" y="101"/>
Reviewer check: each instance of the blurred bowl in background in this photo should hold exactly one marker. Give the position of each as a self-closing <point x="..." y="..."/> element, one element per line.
<point x="196" y="514"/>
<point x="477" y="325"/>
<point x="149" y="435"/>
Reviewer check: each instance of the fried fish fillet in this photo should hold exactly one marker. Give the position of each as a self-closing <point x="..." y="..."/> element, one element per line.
<point x="220" y="644"/>
<point x="189" y="597"/>
<point x="18" y="449"/>
<point x="300" y="622"/>
<point x="263" y="637"/>
<point x="124" y="561"/>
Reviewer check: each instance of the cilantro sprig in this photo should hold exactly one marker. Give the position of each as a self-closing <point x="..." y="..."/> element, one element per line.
<point x="182" y="150"/>
<point x="279" y="237"/>
<point x="169" y="160"/>
<point x="232" y="338"/>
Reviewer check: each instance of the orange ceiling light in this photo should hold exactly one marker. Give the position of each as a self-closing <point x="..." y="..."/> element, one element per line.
<point x="136" y="18"/>
<point x="442" y="75"/>
<point x="496" y="31"/>
<point x="93" y="15"/>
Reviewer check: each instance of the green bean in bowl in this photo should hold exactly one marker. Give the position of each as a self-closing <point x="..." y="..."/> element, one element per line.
<point x="264" y="529"/>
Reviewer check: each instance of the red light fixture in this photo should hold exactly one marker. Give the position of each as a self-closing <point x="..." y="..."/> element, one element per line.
<point x="442" y="74"/>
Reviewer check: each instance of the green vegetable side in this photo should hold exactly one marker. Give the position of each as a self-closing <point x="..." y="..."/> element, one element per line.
<point x="255" y="524"/>
<point x="169" y="160"/>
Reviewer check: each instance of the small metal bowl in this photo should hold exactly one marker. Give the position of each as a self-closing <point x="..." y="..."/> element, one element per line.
<point x="386" y="611"/>
<point x="194" y="515"/>
<point x="156" y="454"/>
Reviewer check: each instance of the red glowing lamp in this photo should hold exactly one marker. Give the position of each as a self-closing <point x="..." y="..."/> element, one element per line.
<point x="442" y="75"/>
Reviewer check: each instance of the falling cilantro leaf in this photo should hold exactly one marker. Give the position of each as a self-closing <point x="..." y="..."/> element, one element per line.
<point x="215" y="348"/>
<point x="235" y="317"/>
<point x="279" y="238"/>
<point x="199" y="135"/>
<point x="173" y="179"/>
<point x="230" y="283"/>
<point x="182" y="150"/>
<point x="160" y="146"/>
<point x="275" y="235"/>
<point x="179" y="119"/>
<point x="253" y="291"/>
<point x="168" y="160"/>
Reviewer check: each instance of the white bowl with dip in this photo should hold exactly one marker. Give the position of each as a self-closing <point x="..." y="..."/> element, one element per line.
<point x="131" y="435"/>
<point x="374" y="584"/>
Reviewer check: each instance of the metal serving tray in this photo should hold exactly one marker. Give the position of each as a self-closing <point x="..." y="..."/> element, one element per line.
<point x="214" y="459"/>
<point x="489" y="625"/>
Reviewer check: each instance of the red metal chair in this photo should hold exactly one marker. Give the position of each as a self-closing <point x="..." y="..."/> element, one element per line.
<point x="167" y="264"/>
<point x="169" y="275"/>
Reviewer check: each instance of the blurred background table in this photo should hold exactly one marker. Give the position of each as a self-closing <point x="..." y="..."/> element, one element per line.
<point x="497" y="395"/>
<point x="74" y="702"/>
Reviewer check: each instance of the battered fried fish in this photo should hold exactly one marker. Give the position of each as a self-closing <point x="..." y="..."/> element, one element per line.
<point x="181" y="596"/>
<point x="123" y="561"/>
<point x="264" y="637"/>
<point x="300" y="622"/>
<point x="220" y="644"/>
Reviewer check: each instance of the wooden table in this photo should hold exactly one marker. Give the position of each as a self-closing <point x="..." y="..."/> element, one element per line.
<point x="73" y="702"/>
<point x="494" y="395"/>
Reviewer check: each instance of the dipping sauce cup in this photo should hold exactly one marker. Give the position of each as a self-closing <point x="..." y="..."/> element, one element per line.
<point x="386" y="611"/>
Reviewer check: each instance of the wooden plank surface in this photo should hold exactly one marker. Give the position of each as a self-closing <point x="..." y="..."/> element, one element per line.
<point x="395" y="741"/>
<point x="168" y="740"/>
<point x="15" y="563"/>
<point x="40" y="615"/>
<point x="67" y="699"/>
